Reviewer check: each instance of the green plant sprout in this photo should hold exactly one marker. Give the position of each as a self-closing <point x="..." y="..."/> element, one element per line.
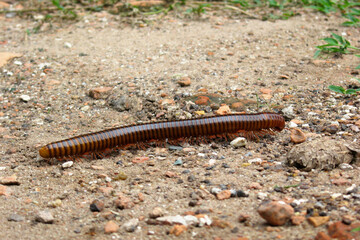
<point x="353" y="21"/>
<point x="335" y="45"/>
<point x="200" y="9"/>
<point x="342" y="90"/>
<point x="339" y="89"/>
<point x="324" y="6"/>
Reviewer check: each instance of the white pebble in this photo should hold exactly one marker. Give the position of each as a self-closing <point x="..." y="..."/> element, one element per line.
<point x="351" y="188"/>
<point x="345" y="166"/>
<point x="67" y="45"/>
<point x="131" y="225"/>
<point x="205" y="221"/>
<point x="67" y="164"/>
<point x="85" y="108"/>
<point x="335" y="195"/>
<point x="17" y="63"/>
<point x="262" y="195"/>
<point x="215" y="190"/>
<point x="292" y="125"/>
<point x="212" y="161"/>
<point x="238" y="142"/>
<point x="289" y="111"/>
<point x="255" y="160"/>
<point x="25" y="98"/>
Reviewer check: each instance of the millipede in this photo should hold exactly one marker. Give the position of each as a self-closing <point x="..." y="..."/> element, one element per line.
<point x="248" y="125"/>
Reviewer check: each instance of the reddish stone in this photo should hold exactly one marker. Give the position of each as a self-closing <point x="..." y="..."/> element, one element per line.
<point x="4" y="191"/>
<point x="318" y="221"/>
<point x="185" y="81"/>
<point x="12" y="180"/>
<point x="297" y="220"/>
<point x="255" y="185"/>
<point x="265" y="91"/>
<point x="224" y="109"/>
<point x="342" y="231"/>
<point x="223" y="195"/>
<point x="100" y="92"/>
<point x="322" y="236"/>
<point x="140" y="159"/>
<point x="202" y="100"/>
<point x="297" y="136"/>
<point x="276" y="213"/>
<point x="111" y="227"/>
<point x="340" y="182"/>
<point x="178" y="229"/>
<point x="170" y="174"/>
<point x="124" y="202"/>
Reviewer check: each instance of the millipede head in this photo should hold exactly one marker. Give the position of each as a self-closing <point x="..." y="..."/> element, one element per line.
<point x="44" y="152"/>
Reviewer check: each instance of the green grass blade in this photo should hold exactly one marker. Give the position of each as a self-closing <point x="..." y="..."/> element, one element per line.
<point x="337" y="89"/>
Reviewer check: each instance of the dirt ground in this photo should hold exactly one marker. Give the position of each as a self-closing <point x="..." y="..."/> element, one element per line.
<point x="45" y="97"/>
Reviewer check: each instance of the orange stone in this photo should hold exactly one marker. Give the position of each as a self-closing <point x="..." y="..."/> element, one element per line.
<point x="265" y="90"/>
<point x="225" y="194"/>
<point x="297" y="136"/>
<point x="111" y="227"/>
<point x="224" y="109"/>
<point x="178" y="229"/>
<point x="202" y="100"/>
<point x="185" y="81"/>
<point x="140" y="159"/>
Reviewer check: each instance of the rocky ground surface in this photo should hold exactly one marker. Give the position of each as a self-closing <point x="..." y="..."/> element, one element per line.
<point x="100" y="72"/>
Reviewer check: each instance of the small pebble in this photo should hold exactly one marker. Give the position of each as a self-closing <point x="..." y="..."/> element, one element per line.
<point x="178" y="162"/>
<point x="67" y="164"/>
<point x="238" y="142"/>
<point x="156" y="212"/>
<point x="25" y="98"/>
<point x="345" y="166"/>
<point x="185" y="81"/>
<point x="67" y="45"/>
<point x="225" y="194"/>
<point x="97" y="206"/>
<point x="12" y="180"/>
<point x="16" y="218"/>
<point x="318" y="221"/>
<point x="276" y="213"/>
<point x="56" y="203"/>
<point x="44" y="217"/>
<point x="120" y="176"/>
<point x="177" y="230"/>
<point x="292" y="125"/>
<point x="111" y="227"/>
<point x="131" y="225"/>
<point x="297" y="136"/>
<point x="215" y="190"/>
<point x="241" y="193"/>
<point x="255" y="160"/>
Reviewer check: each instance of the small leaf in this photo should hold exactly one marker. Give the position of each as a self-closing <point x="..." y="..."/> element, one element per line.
<point x="339" y="38"/>
<point x="337" y="89"/>
<point x="351" y="91"/>
<point x="317" y="53"/>
<point x="356" y="229"/>
<point x="330" y="41"/>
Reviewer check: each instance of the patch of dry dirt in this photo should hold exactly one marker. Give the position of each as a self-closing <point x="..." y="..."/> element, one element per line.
<point x="234" y="58"/>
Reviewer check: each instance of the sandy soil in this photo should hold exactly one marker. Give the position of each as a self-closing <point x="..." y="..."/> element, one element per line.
<point x="234" y="58"/>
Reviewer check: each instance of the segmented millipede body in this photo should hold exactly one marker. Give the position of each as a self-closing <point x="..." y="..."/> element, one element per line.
<point x="245" y="124"/>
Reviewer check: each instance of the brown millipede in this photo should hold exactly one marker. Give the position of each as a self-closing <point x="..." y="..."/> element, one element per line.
<point x="246" y="124"/>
